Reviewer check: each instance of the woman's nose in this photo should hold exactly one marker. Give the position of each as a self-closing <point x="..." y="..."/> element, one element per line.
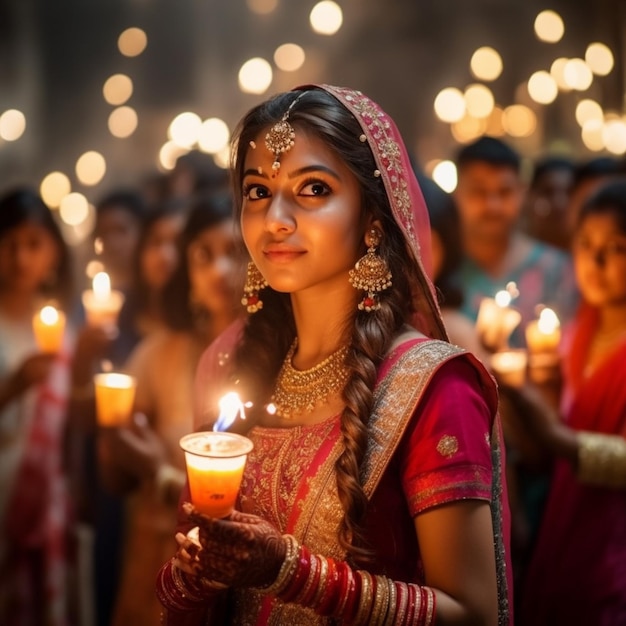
<point x="279" y="216"/>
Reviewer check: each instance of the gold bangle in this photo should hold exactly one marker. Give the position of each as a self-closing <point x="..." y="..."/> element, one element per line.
<point x="381" y="601"/>
<point x="390" y="618"/>
<point x="602" y="459"/>
<point x="365" y="599"/>
<point x="288" y="567"/>
<point x="430" y="606"/>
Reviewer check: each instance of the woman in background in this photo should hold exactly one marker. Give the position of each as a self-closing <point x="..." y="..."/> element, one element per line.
<point x="35" y="270"/>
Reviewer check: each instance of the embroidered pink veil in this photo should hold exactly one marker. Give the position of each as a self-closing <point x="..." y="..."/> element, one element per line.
<point x="409" y="210"/>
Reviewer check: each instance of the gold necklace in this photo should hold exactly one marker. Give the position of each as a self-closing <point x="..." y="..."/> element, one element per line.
<point x="300" y="391"/>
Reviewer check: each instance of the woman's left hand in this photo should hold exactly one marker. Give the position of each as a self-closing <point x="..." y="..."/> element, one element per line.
<point x="241" y="550"/>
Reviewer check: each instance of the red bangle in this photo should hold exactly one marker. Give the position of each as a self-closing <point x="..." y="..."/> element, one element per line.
<point x="308" y="593"/>
<point x="332" y="592"/>
<point x="351" y="597"/>
<point x="300" y="577"/>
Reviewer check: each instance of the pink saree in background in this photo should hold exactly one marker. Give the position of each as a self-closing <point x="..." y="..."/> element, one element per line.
<point x="578" y="571"/>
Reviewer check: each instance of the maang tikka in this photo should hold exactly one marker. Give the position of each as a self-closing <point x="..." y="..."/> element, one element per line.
<point x="281" y="137"/>
<point x="371" y="274"/>
<point x="255" y="281"/>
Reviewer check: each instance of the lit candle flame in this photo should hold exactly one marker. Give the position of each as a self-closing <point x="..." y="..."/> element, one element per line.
<point x="101" y="285"/>
<point x="503" y="298"/>
<point x="49" y="315"/>
<point x="548" y="321"/>
<point x="231" y="406"/>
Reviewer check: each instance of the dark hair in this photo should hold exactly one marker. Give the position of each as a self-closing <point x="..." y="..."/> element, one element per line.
<point x="269" y="332"/>
<point x="206" y="211"/>
<point x="609" y="198"/>
<point x="207" y="175"/>
<point x="445" y="221"/>
<point x="128" y="200"/>
<point x="550" y="164"/>
<point x="489" y="150"/>
<point x="23" y="204"/>
<point x="596" y="168"/>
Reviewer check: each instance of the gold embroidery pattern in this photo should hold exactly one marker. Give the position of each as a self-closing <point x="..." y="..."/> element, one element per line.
<point x="448" y="446"/>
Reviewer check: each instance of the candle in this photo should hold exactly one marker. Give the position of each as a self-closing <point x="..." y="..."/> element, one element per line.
<point x="115" y="394"/>
<point x="102" y="304"/>
<point x="215" y="463"/>
<point x="510" y="366"/>
<point x="497" y="320"/>
<point x="48" y="327"/>
<point x="544" y="334"/>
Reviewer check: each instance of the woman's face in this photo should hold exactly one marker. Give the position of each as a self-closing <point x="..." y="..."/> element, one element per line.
<point x="29" y="256"/>
<point x="599" y="249"/>
<point x="159" y="256"/>
<point x="214" y="268"/>
<point x="303" y="225"/>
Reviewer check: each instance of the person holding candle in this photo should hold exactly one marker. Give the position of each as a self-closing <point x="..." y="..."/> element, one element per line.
<point x="143" y="458"/>
<point x="35" y="270"/>
<point x="374" y="491"/>
<point x="577" y="574"/>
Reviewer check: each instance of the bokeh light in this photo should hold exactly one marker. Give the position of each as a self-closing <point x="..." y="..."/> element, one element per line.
<point x="184" y="129"/>
<point x="557" y="71"/>
<point x="587" y="110"/>
<point x="90" y="168"/>
<point x="169" y="153"/>
<point x="255" y="76"/>
<point x="12" y="125"/>
<point x="542" y="87"/>
<point x="495" y="123"/>
<point x="486" y="64"/>
<point x="132" y="42"/>
<point x="262" y="7"/>
<point x="450" y="105"/>
<point x="117" y="89"/>
<point x="445" y="175"/>
<point x="519" y="121"/>
<point x="549" y="26"/>
<point x="289" y="57"/>
<point x="213" y="135"/>
<point x="468" y="128"/>
<point x="479" y="100"/>
<point x="599" y="58"/>
<point x="591" y="134"/>
<point x="614" y="136"/>
<point x="123" y="122"/>
<point x="74" y="209"/>
<point x="326" y="17"/>
<point x="577" y="74"/>
<point x="54" y="187"/>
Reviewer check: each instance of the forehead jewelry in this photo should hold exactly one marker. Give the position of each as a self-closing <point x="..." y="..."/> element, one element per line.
<point x="281" y="136"/>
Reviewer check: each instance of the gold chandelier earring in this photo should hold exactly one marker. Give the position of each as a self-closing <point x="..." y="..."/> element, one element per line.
<point x="371" y="274"/>
<point x="254" y="283"/>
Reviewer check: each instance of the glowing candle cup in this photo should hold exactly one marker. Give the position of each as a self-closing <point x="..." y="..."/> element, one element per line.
<point x="215" y="463"/>
<point x="48" y="327"/>
<point x="544" y="334"/>
<point x="510" y="366"/>
<point x="102" y="304"/>
<point x="115" y="395"/>
<point x="496" y="321"/>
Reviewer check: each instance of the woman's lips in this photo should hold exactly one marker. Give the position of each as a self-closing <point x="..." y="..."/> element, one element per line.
<point x="282" y="254"/>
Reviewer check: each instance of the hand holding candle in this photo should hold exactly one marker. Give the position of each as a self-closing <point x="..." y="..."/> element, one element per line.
<point x="102" y="304"/>
<point x="497" y="320"/>
<point x="544" y="334"/>
<point x="509" y="366"/>
<point x="48" y="327"/>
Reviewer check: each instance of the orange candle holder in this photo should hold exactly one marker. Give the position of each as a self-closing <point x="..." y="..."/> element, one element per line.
<point x="115" y="395"/>
<point x="48" y="327"/>
<point x="102" y="304"/>
<point x="215" y="463"/>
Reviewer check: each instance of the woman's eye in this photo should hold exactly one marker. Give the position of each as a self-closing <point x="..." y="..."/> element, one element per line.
<point x="315" y="188"/>
<point x="255" y="192"/>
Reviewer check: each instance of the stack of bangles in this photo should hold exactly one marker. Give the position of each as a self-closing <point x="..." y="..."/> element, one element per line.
<point x="333" y="589"/>
<point x="181" y="593"/>
<point x="330" y="588"/>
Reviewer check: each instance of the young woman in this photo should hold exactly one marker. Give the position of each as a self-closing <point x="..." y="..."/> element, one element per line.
<point x="200" y="302"/>
<point x="374" y="491"/>
<point x="578" y="571"/>
<point x="35" y="270"/>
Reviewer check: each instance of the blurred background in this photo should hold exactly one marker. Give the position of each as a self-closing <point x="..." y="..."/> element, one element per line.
<point x="100" y="93"/>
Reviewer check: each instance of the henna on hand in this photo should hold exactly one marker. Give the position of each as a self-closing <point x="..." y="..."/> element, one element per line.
<point x="240" y="551"/>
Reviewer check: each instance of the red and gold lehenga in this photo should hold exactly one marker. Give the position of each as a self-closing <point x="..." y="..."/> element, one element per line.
<point x="434" y="437"/>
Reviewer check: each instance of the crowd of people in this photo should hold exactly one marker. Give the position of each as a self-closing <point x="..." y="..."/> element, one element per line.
<point x="397" y="478"/>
